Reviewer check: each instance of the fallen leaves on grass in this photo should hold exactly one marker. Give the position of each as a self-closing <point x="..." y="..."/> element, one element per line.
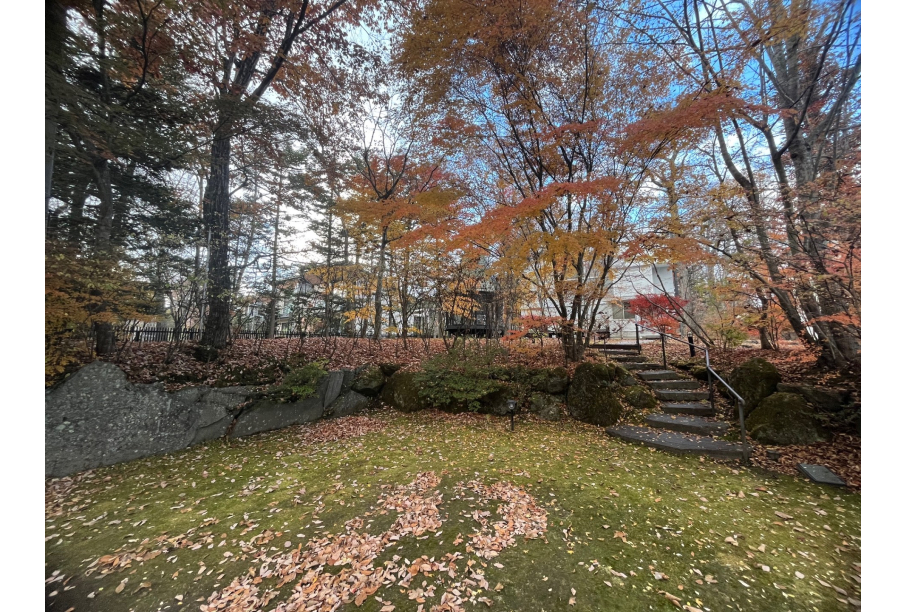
<point x="354" y="552"/>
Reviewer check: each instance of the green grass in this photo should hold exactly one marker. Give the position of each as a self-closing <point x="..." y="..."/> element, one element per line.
<point x="676" y="513"/>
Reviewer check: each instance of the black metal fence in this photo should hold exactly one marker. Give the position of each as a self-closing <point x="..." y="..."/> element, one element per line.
<point x="170" y="334"/>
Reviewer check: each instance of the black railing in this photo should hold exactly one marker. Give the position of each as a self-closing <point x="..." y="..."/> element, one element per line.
<point x="171" y="334"/>
<point x="712" y="375"/>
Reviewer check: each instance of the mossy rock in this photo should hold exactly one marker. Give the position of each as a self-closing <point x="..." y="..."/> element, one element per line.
<point x="784" y="418"/>
<point x="825" y="399"/>
<point x="640" y="397"/>
<point x="494" y="402"/>
<point x="686" y="364"/>
<point x="550" y="380"/>
<point x="389" y="369"/>
<point x="369" y="381"/>
<point x="401" y="392"/>
<point x="754" y="380"/>
<point x="594" y="393"/>
<point x="699" y="372"/>
<point x="545" y="406"/>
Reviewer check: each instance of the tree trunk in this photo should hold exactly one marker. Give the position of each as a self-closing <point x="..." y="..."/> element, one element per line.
<point x="55" y="34"/>
<point x="217" y="218"/>
<point x="573" y="346"/>
<point x="764" y="335"/>
<point x="378" y="291"/>
<point x="272" y="309"/>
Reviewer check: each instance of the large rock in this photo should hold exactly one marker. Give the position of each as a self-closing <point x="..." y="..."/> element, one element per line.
<point x="640" y="397"/>
<point x="594" y="393"/>
<point x="216" y="409"/>
<point x="495" y="402"/>
<point x="784" y="418"/>
<point x="824" y="399"/>
<point x="97" y="418"/>
<point x="401" y="392"/>
<point x="546" y="406"/>
<point x="551" y="380"/>
<point x="347" y="404"/>
<point x="330" y="386"/>
<point x="754" y="380"/>
<point x="265" y="415"/>
<point x="389" y="369"/>
<point x="369" y="381"/>
<point x="699" y="372"/>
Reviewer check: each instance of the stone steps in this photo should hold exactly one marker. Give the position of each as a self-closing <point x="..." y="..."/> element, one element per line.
<point x="687" y="424"/>
<point x="680" y="395"/>
<point x="674" y="384"/>
<point x="621" y="346"/>
<point x="660" y="375"/>
<point x="627" y="358"/>
<point x="681" y="427"/>
<point x="677" y="443"/>
<point x="695" y="409"/>
<point x="643" y="366"/>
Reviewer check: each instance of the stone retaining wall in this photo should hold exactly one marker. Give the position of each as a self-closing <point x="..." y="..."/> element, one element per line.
<point x="97" y="417"/>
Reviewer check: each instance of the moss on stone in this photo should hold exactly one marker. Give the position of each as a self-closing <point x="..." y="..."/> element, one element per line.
<point x="401" y="392"/>
<point x="594" y="394"/>
<point x="754" y="380"/>
<point x="640" y="397"/>
<point x="699" y="372"/>
<point x="784" y="418"/>
<point x="550" y="380"/>
<point x="369" y="381"/>
<point x="547" y="407"/>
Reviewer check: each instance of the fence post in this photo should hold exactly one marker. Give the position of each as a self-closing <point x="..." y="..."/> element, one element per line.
<point x="691" y="345"/>
<point x="664" y="349"/>
<point x="637" y="342"/>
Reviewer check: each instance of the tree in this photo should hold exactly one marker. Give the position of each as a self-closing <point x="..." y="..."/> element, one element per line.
<point x="540" y="98"/>
<point x="783" y="76"/>
<point x="116" y="123"/>
<point x="243" y="50"/>
<point x="400" y="188"/>
<point x="662" y="312"/>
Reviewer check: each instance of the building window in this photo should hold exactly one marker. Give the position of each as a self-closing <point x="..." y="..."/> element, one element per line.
<point x="621" y="310"/>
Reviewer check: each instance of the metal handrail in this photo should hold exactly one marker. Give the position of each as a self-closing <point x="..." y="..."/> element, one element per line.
<point x="740" y="403"/>
<point x="717" y="376"/>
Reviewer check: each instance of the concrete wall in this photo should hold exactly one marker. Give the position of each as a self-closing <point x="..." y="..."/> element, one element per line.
<point x="97" y="417"/>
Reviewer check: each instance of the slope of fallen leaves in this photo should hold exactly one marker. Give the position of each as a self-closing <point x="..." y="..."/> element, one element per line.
<point x="260" y="362"/>
<point x="251" y="361"/>
<point x="795" y="364"/>
<point x="843" y="456"/>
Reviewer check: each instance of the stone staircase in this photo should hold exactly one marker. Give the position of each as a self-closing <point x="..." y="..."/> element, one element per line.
<point x="685" y="424"/>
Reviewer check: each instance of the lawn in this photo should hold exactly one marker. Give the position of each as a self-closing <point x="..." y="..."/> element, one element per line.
<point x="450" y="512"/>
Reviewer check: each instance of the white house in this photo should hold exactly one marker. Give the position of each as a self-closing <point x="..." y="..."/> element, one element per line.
<point x="628" y="282"/>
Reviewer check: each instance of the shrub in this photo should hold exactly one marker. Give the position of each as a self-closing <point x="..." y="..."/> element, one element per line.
<point x="462" y="377"/>
<point x="299" y="383"/>
<point x="727" y="334"/>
